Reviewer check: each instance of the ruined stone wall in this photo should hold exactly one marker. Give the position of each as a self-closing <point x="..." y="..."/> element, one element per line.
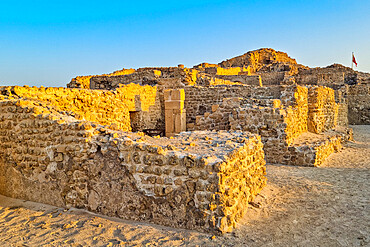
<point x="187" y="76"/>
<point x="318" y="77"/>
<point x="103" y="107"/>
<point x="113" y="82"/>
<point x="84" y="81"/>
<point x="214" y="81"/>
<point x="283" y="123"/>
<point x="219" y="117"/>
<point x="254" y="80"/>
<point x="323" y="110"/>
<point x="199" y="100"/>
<point x="312" y="149"/>
<point x="268" y="122"/>
<point x="278" y="121"/>
<point x="272" y="78"/>
<point x="199" y="181"/>
<point x="359" y="104"/>
<point x="225" y="71"/>
<point x="341" y="98"/>
<point x="277" y="124"/>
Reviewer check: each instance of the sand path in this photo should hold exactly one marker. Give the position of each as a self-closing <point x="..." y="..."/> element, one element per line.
<point x="301" y="206"/>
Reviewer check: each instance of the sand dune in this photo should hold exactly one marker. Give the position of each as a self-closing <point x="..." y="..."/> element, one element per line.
<point x="300" y="206"/>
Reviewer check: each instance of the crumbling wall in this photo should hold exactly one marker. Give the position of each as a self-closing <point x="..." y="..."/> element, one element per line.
<point x="341" y="94"/>
<point x="198" y="181"/>
<point x="112" y="82"/>
<point x="282" y="121"/>
<point x="294" y="100"/>
<point x="199" y="100"/>
<point x="253" y="80"/>
<point x="272" y="78"/>
<point x="84" y="81"/>
<point x="226" y="71"/>
<point x="318" y="77"/>
<point x="359" y="104"/>
<point x="292" y="104"/>
<point x="219" y="118"/>
<point x="311" y="149"/>
<point x="323" y="110"/>
<point x="103" y="107"/>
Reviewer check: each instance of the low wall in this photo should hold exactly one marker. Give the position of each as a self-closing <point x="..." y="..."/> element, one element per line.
<point x="312" y="149"/>
<point x="200" y="181"/>
<point x="103" y="107"/>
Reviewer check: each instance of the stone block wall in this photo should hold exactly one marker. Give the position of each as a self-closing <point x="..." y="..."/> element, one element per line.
<point x="226" y="71"/>
<point x="312" y="149"/>
<point x="84" y="81"/>
<point x="359" y="104"/>
<point x="294" y="100"/>
<point x="200" y="181"/>
<point x="219" y="118"/>
<point x="323" y="110"/>
<point x="272" y="78"/>
<point x="103" y="107"/>
<point x="253" y="80"/>
<point x="188" y="76"/>
<point x="341" y="98"/>
<point x="112" y="82"/>
<point x="206" y="80"/>
<point x="312" y="77"/>
<point x="278" y="125"/>
<point x="294" y="112"/>
<point x="274" y="124"/>
<point x="199" y="100"/>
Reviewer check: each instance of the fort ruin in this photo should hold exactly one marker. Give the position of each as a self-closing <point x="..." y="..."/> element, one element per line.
<point x="182" y="147"/>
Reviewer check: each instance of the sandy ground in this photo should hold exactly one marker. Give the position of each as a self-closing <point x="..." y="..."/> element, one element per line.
<point x="301" y="206"/>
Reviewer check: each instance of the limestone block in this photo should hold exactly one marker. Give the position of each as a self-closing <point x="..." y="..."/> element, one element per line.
<point x="174" y="104"/>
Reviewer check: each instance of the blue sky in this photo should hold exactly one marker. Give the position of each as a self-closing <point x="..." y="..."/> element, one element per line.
<point x="49" y="42"/>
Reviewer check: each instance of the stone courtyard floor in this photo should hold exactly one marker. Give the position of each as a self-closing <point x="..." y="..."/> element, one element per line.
<point x="300" y="206"/>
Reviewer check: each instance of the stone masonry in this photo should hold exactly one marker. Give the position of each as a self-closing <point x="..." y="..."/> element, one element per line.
<point x="200" y="181"/>
<point x="99" y="144"/>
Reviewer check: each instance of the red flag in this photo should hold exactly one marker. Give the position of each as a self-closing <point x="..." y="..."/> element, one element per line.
<point x="354" y="59"/>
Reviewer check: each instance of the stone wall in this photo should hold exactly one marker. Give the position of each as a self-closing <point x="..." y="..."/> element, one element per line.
<point x="311" y="149"/>
<point x="278" y="124"/>
<point x="283" y="123"/>
<point x="104" y="107"/>
<point x="199" y="100"/>
<point x="341" y="98"/>
<point x="254" y="80"/>
<point x="226" y="71"/>
<point x="84" y="81"/>
<point x="312" y="77"/>
<point x="359" y="104"/>
<point x="112" y="82"/>
<point x="323" y="110"/>
<point x="272" y="78"/>
<point x="200" y="181"/>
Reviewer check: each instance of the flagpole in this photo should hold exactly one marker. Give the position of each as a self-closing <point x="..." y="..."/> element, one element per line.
<point x="352" y="61"/>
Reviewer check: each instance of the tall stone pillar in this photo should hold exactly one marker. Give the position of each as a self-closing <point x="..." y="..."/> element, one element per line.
<point x="175" y="114"/>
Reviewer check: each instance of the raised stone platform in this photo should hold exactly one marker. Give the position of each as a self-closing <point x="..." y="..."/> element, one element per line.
<point x="199" y="180"/>
<point x="312" y="149"/>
